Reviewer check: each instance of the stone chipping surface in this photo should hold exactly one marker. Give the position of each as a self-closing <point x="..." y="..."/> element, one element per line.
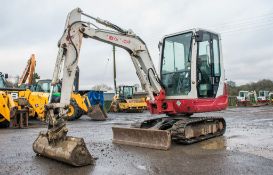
<point x="246" y="148"/>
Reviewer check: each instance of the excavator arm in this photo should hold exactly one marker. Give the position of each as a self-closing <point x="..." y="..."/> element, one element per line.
<point x="69" y="50"/>
<point x="69" y="45"/>
<point x="29" y="71"/>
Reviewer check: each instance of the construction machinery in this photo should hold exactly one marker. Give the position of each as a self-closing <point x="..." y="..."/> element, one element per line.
<point x="37" y="95"/>
<point x="27" y="76"/>
<point x="250" y="99"/>
<point x="13" y="109"/>
<point x="271" y="97"/>
<point x="79" y="104"/>
<point x="8" y="107"/>
<point x="247" y="98"/>
<point x="263" y="97"/>
<point x="191" y="80"/>
<point x="36" y="100"/>
<point x="124" y="101"/>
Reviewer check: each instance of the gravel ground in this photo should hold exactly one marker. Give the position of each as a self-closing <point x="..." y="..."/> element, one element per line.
<point x="246" y="148"/>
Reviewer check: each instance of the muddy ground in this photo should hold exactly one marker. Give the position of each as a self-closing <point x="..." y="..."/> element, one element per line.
<point x="246" y="148"/>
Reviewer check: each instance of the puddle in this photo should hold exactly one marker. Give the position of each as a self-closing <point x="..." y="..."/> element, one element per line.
<point x="219" y="143"/>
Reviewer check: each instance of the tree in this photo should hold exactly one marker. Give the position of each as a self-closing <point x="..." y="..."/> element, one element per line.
<point x="36" y="76"/>
<point x="264" y="84"/>
<point x="231" y="83"/>
<point x="102" y="87"/>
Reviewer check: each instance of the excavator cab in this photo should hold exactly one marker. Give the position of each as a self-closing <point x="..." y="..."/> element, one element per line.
<point x="126" y="92"/>
<point x="263" y="95"/>
<point x="44" y="86"/>
<point x="243" y="95"/>
<point x="126" y="101"/>
<point x="190" y="65"/>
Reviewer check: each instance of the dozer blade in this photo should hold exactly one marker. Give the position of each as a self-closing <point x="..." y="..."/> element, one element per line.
<point x="71" y="150"/>
<point x="97" y="113"/>
<point x="148" y="138"/>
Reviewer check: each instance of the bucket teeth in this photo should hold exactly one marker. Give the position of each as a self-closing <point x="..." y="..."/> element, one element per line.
<point x="148" y="138"/>
<point x="97" y="113"/>
<point x="70" y="150"/>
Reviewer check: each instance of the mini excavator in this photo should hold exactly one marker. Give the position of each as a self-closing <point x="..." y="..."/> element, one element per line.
<point x="191" y="80"/>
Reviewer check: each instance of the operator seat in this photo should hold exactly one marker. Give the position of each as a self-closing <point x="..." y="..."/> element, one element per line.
<point x="204" y="85"/>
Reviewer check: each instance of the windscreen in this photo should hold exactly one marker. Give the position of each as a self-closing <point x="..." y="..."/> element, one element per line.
<point x="2" y="82"/>
<point x="128" y="91"/>
<point x="44" y="86"/>
<point x="242" y="94"/>
<point x="176" y="64"/>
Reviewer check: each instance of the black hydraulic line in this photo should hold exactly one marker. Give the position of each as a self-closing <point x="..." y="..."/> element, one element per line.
<point x="157" y="79"/>
<point x="84" y="14"/>
<point x="106" y="23"/>
<point x="114" y="68"/>
<point x="76" y="80"/>
<point x="70" y="39"/>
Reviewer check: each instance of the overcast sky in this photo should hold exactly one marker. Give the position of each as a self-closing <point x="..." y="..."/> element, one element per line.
<point x="34" y="26"/>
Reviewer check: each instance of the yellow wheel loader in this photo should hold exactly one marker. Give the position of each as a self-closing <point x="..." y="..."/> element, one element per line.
<point x="38" y="96"/>
<point x="7" y="109"/>
<point x="124" y="101"/>
<point x="13" y="110"/>
<point x="6" y="104"/>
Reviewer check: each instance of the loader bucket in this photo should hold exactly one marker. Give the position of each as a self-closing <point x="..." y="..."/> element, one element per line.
<point x="97" y="113"/>
<point x="70" y="150"/>
<point x="148" y="138"/>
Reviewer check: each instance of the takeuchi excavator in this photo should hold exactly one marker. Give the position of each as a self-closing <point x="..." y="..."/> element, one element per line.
<point x="191" y="80"/>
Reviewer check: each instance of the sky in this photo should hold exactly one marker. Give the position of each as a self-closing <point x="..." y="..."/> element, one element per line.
<point x="35" y="26"/>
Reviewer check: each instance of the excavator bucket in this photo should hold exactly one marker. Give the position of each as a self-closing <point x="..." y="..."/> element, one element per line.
<point x="97" y="113"/>
<point x="148" y="138"/>
<point x="71" y="150"/>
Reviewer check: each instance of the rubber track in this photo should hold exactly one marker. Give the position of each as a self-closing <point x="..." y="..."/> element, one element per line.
<point x="186" y="121"/>
<point x="194" y="120"/>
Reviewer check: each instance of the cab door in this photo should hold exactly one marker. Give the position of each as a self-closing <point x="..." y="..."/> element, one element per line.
<point x="208" y="65"/>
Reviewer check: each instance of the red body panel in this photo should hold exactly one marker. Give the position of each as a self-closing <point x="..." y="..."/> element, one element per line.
<point x="187" y="106"/>
<point x="263" y="101"/>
